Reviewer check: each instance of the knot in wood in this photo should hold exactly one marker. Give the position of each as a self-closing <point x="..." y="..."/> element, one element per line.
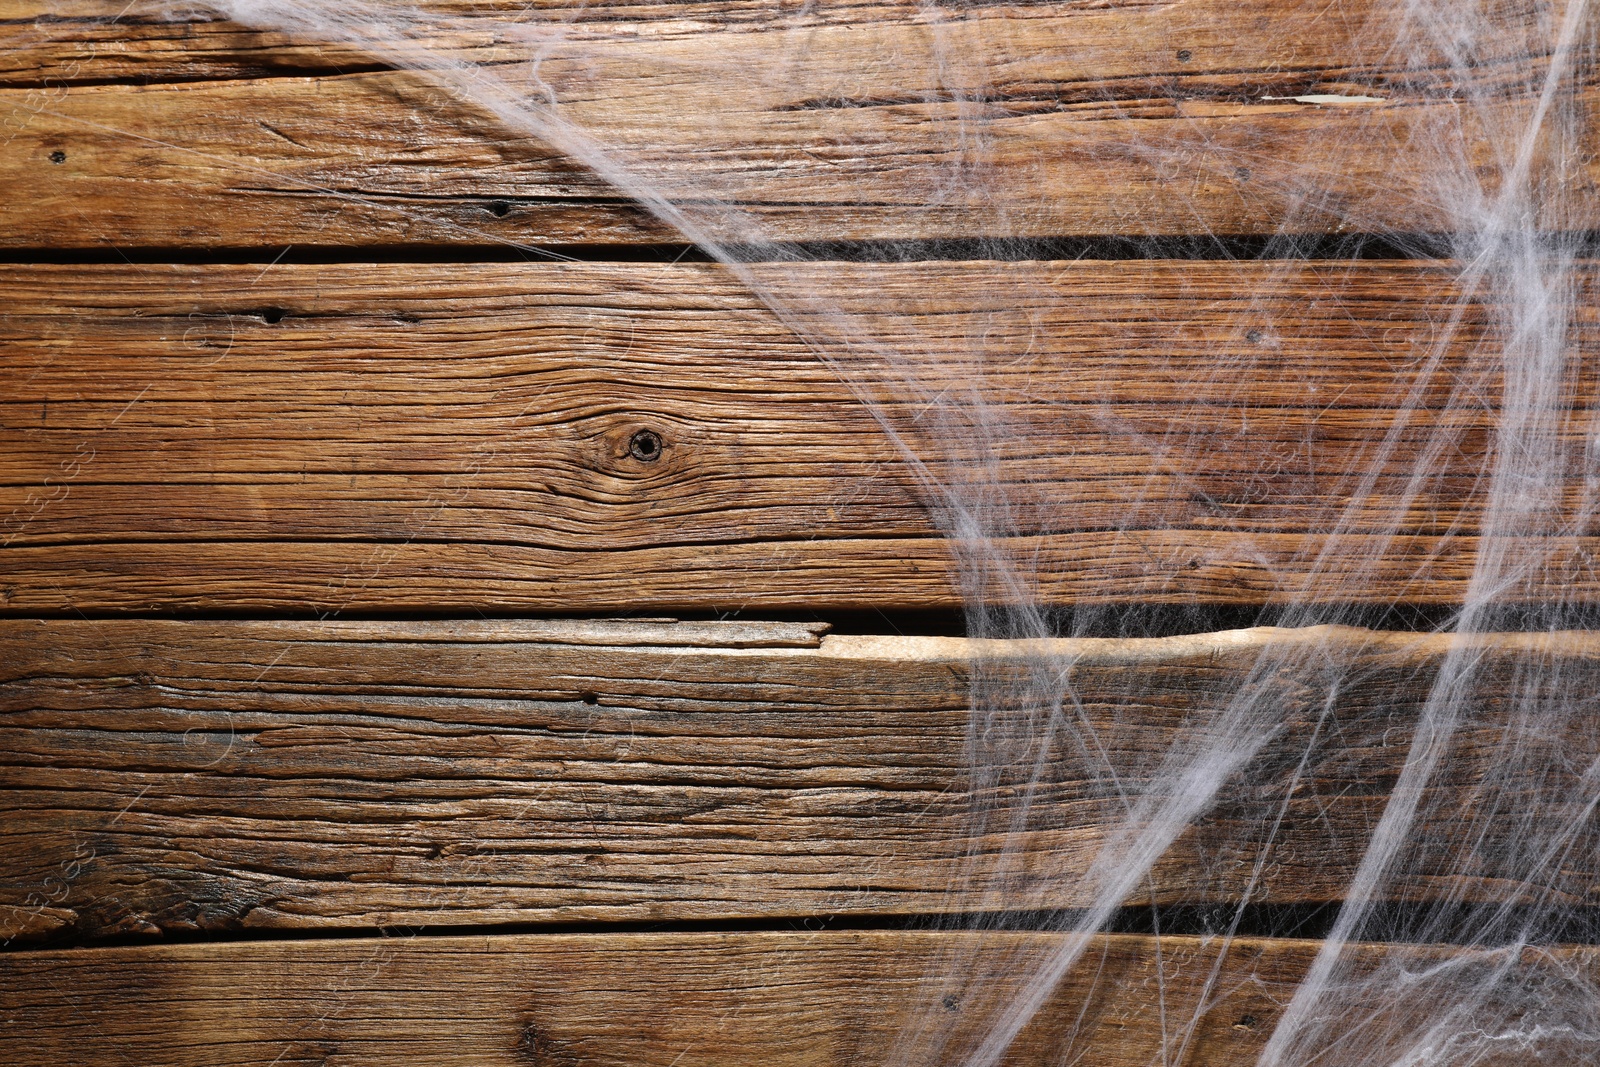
<point x="646" y="446"/>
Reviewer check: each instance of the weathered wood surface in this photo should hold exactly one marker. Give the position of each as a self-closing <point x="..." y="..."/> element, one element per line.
<point x="641" y="1000"/>
<point x="445" y="436"/>
<point x="217" y="776"/>
<point x="1212" y="116"/>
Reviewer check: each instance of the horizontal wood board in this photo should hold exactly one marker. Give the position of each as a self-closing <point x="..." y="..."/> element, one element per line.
<point x="813" y="999"/>
<point x="134" y="126"/>
<point x="447" y="437"/>
<point x="165" y="776"/>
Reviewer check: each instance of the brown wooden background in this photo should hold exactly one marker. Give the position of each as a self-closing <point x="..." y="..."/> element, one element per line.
<point x="307" y="473"/>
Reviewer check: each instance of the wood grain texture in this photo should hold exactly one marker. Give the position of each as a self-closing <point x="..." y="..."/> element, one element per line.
<point x="164" y="776"/>
<point x="813" y="999"/>
<point x="1210" y="116"/>
<point x="326" y="438"/>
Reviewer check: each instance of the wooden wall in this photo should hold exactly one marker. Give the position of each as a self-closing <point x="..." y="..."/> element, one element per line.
<point x="343" y="718"/>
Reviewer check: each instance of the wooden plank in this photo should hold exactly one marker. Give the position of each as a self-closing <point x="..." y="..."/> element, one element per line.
<point x="166" y="776"/>
<point x="436" y="437"/>
<point x="812" y="999"/>
<point x="1130" y="118"/>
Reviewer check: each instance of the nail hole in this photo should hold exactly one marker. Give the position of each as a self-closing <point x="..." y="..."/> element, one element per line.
<point x="645" y="446"/>
<point x="1184" y="55"/>
<point x="499" y="209"/>
<point x="1253" y="336"/>
<point x="58" y="156"/>
<point x="272" y="316"/>
<point x="589" y="698"/>
<point x="531" y="1046"/>
<point x="951" y="1002"/>
<point x="1242" y="173"/>
<point x="1246" y="1022"/>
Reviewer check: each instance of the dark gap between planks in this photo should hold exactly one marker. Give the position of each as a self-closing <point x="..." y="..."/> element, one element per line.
<point x="1390" y="923"/>
<point x="1130" y="620"/>
<point x="1359" y="246"/>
